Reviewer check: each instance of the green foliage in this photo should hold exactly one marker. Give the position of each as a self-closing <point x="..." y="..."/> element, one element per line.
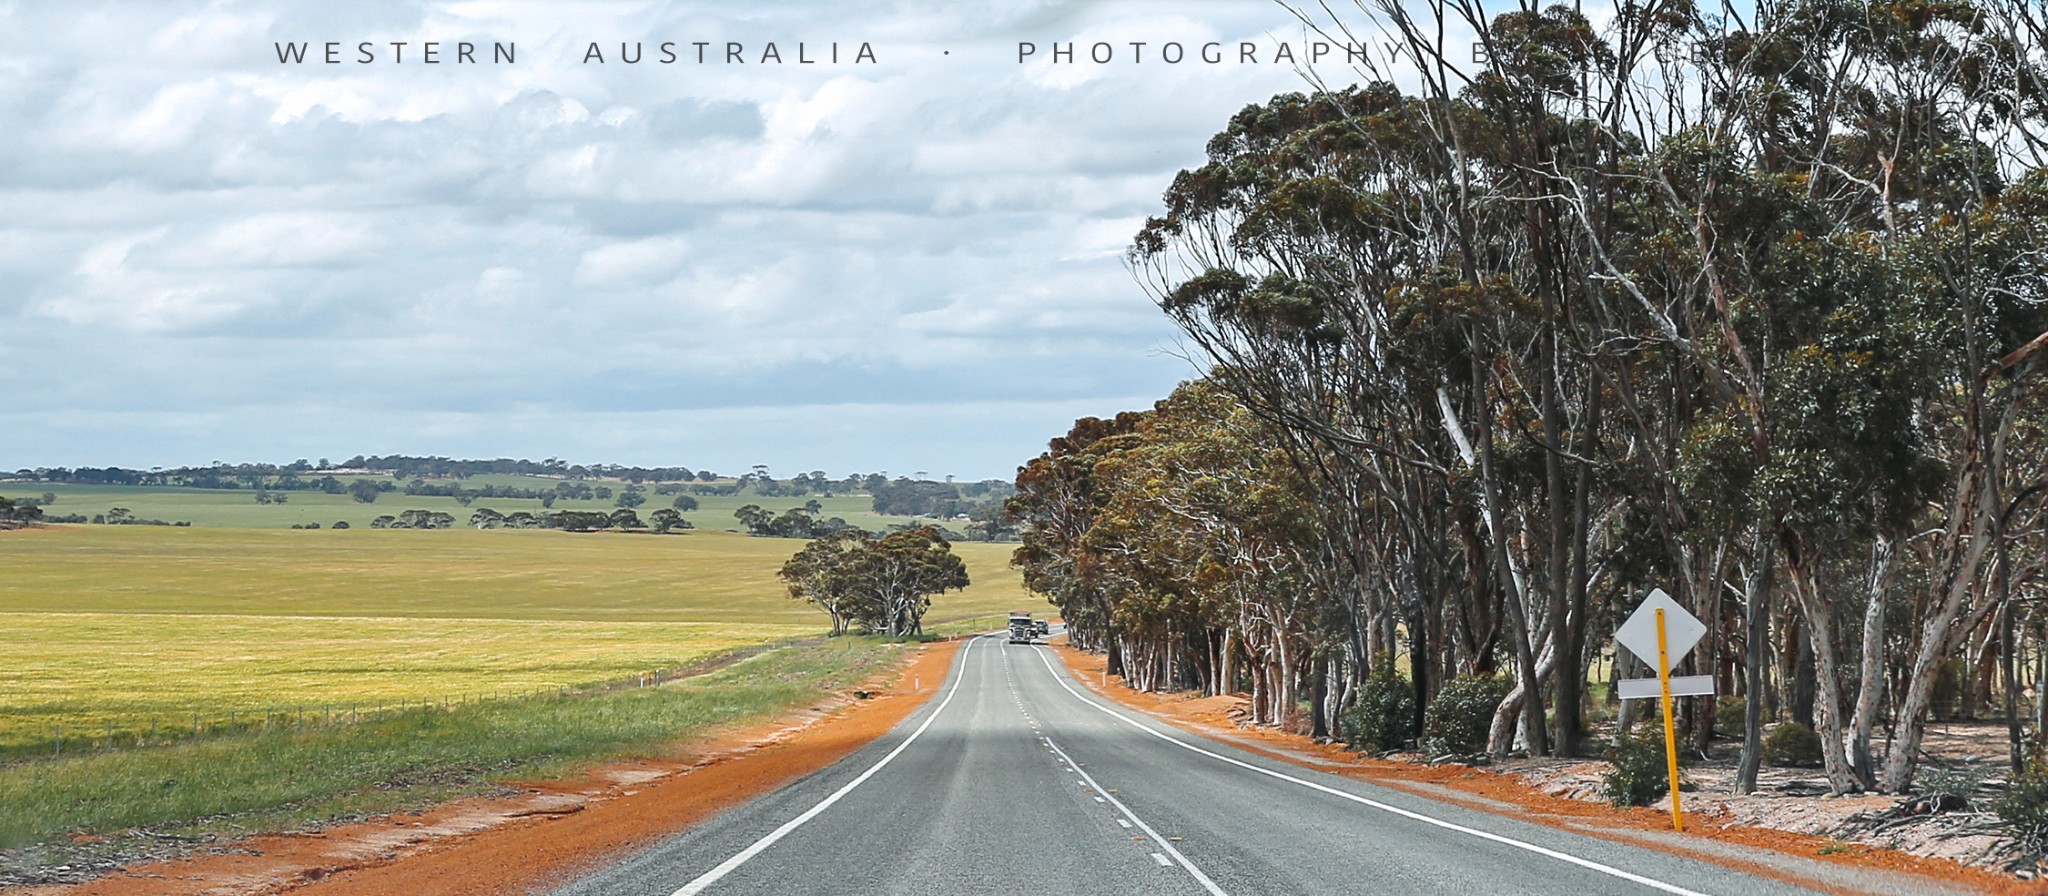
<point x="880" y="584"/>
<point x="1382" y="718"/>
<point x="1791" y="744"/>
<point x="2024" y="806"/>
<point x="1638" y="771"/>
<point x="1457" y="720"/>
<point x="1728" y="715"/>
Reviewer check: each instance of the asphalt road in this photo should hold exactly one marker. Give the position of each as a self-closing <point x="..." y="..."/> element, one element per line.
<point x="1015" y="779"/>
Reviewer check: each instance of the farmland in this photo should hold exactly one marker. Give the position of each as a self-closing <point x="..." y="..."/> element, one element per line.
<point x="224" y="679"/>
<point x="239" y="508"/>
<point x="139" y="627"/>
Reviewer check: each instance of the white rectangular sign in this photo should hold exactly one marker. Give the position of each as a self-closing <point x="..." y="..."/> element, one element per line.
<point x="1681" y="686"/>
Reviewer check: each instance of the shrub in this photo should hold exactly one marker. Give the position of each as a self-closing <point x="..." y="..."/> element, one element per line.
<point x="1382" y="718"/>
<point x="1638" y="773"/>
<point x="2024" y="807"/>
<point x="1792" y="744"/>
<point x="1458" y="718"/>
<point x="1949" y="789"/>
<point x="1728" y="710"/>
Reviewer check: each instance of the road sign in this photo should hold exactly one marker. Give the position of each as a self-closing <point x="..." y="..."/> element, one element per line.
<point x="1682" y="630"/>
<point x="1681" y="686"/>
<point x="1660" y="632"/>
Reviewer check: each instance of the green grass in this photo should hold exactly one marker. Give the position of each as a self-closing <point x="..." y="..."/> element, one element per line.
<point x="114" y="632"/>
<point x="447" y="574"/>
<point x="103" y="680"/>
<point x="237" y="508"/>
<point x="322" y="772"/>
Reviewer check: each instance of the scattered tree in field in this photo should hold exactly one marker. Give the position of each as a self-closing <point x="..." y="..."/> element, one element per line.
<point x="363" y="490"/>
<point x="875" y="583"/>
<point x="684" y="503"/>
<point x="667" y="520"/>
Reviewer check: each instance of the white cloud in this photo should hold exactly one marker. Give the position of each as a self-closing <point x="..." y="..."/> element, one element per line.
<point x="933" y="241"/>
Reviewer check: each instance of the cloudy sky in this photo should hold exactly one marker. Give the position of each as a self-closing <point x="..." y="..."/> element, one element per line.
<point x="913" y="264"/>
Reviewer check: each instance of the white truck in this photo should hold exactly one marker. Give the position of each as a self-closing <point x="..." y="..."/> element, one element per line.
<point x="1021" y="628"/>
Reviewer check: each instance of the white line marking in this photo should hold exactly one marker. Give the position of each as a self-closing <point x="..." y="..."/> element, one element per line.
<point x="1163" y="861"/>
<point x="1404" y="813"/>
<point x="726" y="867"/>
<point x="1200" y="878"/>
<point x="1123" y="822"/>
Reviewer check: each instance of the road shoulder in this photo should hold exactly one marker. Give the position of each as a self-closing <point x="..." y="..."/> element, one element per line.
<point x="1802" y="859"/>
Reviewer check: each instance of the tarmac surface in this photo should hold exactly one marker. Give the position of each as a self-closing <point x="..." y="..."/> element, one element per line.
<point x="1015" y="779"/>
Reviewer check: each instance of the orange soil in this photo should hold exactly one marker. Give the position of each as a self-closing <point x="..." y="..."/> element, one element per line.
<point x="1506" y="794"/>
<point x="553" y="829"/>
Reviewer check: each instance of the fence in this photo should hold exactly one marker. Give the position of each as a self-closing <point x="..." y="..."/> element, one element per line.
<point x="55" y="735"/>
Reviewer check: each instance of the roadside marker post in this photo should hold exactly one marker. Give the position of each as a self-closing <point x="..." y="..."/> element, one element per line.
<point x="1663" y="627"/>
<point x="1670" y="730"/>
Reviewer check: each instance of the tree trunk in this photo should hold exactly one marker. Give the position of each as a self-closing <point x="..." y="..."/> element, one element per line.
<point x="1827" y="678"/>
<point x="1870" y="680"/>
<point x="1756" y="614"/>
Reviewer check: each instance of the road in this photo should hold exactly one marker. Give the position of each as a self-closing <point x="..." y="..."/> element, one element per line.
<point x="1016" y="779"/>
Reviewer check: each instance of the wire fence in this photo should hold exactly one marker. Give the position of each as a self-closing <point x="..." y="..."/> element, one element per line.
<point x="59" y="736"/>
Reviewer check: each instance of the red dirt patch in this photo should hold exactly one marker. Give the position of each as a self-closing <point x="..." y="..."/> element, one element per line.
<point x="1504" y="794"/>
<point x="554" y="829"/>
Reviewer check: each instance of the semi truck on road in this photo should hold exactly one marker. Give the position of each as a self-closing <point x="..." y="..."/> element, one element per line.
<point x="1021" y="628"/>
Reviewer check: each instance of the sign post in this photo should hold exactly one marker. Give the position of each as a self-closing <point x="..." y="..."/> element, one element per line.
<point x="1670" y="730"/>
<point x="1663" y="628"/>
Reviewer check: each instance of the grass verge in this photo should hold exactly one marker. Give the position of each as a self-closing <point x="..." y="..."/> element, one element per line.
<point x="285" y="778"/>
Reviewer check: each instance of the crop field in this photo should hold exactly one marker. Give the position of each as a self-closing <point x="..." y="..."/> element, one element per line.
<point x="286" y="775"/>
<point x="111" y="632"/>
<point x="238" y="507"/>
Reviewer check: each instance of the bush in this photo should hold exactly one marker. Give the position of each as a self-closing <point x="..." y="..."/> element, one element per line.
<point x="1792" y="744"/>
<point x="1728" y="710"/>
<point x="1639" y="772"/>
<point x="1949" y="789"/>
<point x="1382" y="718"/>
<point x="2024" y="807"/>
<point x="1458" y="718"/>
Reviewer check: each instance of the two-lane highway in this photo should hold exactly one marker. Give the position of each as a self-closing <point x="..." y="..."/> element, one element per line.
<point x="1015" y="779"/>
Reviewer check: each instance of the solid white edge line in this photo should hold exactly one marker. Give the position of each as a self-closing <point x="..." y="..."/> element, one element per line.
<point x="726" y="867"/>
<point x="1589" y="864"/>
<point x="1161" y="842"/>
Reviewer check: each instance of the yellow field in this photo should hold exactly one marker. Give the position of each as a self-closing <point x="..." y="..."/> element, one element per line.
<point x="143" y="626"/>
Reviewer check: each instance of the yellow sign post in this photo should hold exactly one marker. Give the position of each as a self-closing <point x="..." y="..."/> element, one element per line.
<point x="1670" y="730"/>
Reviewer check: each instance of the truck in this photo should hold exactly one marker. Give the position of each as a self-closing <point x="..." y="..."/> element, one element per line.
<point x="1021" y="629"/>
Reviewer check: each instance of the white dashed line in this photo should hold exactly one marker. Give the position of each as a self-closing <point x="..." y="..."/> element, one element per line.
<point x="1200" y="878"/>
<point x="1588" y="864"/>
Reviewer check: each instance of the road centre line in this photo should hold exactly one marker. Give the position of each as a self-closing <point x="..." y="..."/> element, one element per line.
<point x="1162" y="843"/>
<point x="1589" y="864"/>
<point x="726" y="867"/>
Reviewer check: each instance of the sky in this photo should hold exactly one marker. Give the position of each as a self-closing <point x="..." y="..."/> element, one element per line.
<point x="913" y="264"/>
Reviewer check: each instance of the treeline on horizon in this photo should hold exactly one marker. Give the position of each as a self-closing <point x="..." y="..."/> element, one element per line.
<point x="1749" y="311"/>
<point x="979" y="502"/>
